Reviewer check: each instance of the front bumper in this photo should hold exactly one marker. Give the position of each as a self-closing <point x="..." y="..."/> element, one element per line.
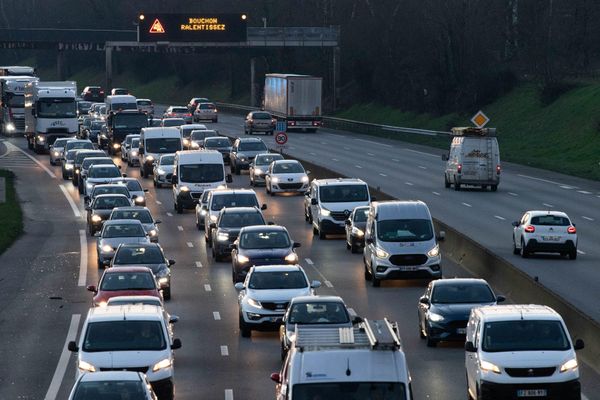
<point x="560" y="391"/>
<point x="223" y="248"/>
<point x="163" y="388"/>
<point x="189" y="199"/>
<point x="447" y="330"/>
<point x="263" y="320"/>
<point x="332" y="226"/>
<point x="431" y="269"/>
<point x="280" y="188"/>
<point x="105" y="257"/>
<point x="357" y="241"/>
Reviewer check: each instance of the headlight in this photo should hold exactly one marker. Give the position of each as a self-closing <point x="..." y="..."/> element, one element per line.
<point x="139" y="199"/>
<point x="357" y="232"/>
<point x="186" y="142"/>
<point x="434" y="252"/>
<point x="85" y="366"/>
<point x="10" y="127"/>
<point x="102" y="304"/>
<point x="305" y="179"/>
<point x="242" y="259"/>
<point x="571" y="364"/>
<point x="325" y="212"/>
<point x="213" y="218"/>
<point x="203" y="212"/>
<point x="380" y="253"/>
<point x="223" y="237"/>
<point x="164" y="279"/>
<point x="107" y="249"/>
<point x="254" y="303"/>
<point x="56" y="154"/>
<point x="103" y="136"/>
<point x="89" y="186"/>
<point x="166" y="363"/>
<point x="185" y="189"/>
<point x="149" y="158"/>
<point x="68" y="166"/>
<point x="116" y="145"/>
<point x="160" y="171"/>
<point x="274" y="179"/>
<point x="435" y="317"/>
<point x="152" y="232"/>
<point x="96" y="218"/>
<point x="292" y="257"/>
<point x="195" y="145"/>
<point x="489" y="367"/>
<point x="258" y="171"/>
<point x="134" y="154"/>
<point x="222" y="187"/>
<point x="77" y="172"/>
<point x="40" y="138"/>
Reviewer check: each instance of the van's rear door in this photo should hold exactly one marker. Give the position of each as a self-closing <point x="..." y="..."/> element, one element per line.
<point x="477" y="155"/>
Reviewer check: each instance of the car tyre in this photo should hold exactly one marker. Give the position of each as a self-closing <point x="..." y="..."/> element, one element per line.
<point x="446" y="182"/>
<point x="375" y="281"/>
<point x="524" y="251"/>
<point x="354" y="248"/>
<point x="456" y="185"/>
<point x="178" y="208"/>
<point x="245" y="331"/>
<point x="99" y="263"/>
<point x="167" y="293"/>
<point x="368" y="275"/>
<point x="494" y="188"/>
<point x="421" y="334"/>
<point x="573" y="254"/>
<point x="515" y="250"/>
<point x="322" y="235"/>
<point x="315" y="231"/>
<point x="238" y="169"/>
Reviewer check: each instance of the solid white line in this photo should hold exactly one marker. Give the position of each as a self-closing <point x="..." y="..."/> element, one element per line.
<point x="382" y="174"/>
<point x="190" y="244"/>
<point x="548" y="205"/>
<point x="216" y="315"/>
<point x="581" y="252"/>
<point x="334" y="159"/>
<point x="422" y="167"/>
<point x="467" y="205"/>
<point x="513" y="194"/>
<point x="207" y="287"/>
<point x="328" y="284"/>
<point x="499" y="217"/>
<point x="584" y="192"/>
<point x="358" y="166"/>
<point x="436" y="193"/>
<point x="567" y="187"/>
<point x="169" y="214"/>
<point x="71" y="201"/>
<point x="309" y="261"/>
<point x="158" y="202"/>
<point x="83" y="263"/>
<point x="372" y="142"/>
<point x="198" y="264"/>
<point x="179" y="227"/>
<point x="61" y="367"/>
<point x="540" y="179"/>
<point x="422" y="152"/>
<point x="42" y="166"/>
<point x="228" y="394"/>
<point x="588" y="218"/>
<point x="409" y="183"/>
<point x="224" y="351"/>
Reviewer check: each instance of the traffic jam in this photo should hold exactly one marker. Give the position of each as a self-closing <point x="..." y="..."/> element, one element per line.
<point x="118" y="152"/>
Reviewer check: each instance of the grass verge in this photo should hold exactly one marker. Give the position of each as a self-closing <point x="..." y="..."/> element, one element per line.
<point x="11" y="216"/>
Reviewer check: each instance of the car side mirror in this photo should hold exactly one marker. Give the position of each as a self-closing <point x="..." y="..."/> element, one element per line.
<point x="424" y="300"/>
<point x="174" y="179"/>
<point x="515" y="223"/>
<point x="145" y="190"/>
<point x="470" y="347"/>
<point x="158" y="221"/>
<point x="263" y="207"/>
<point x="176" y="344"/>
<point x="92" y="288"/>
<point x="579" y="344"/>
<point x="173" y="319"/>
<point x="307" y="172"/>
<point x="314" y="202"/>
<point x="441" y="236"/>
<point x="72" y="346"/>
<point x="171" y="263"/>
<point x="88" y="207"/>
<point x="500" y="299"/>
<point x="234" y="246"/>
<point x="444" y="157"/>
<point x="213" y="225"/>
<point x="118" y="166"/>
<point x="369" y="240"/>
<point x="348" y="222"/>
<point x="124" y="175"/>
<point x="296" y="245"/>
<point x="239" y="286"/>
<point x="228" y="178"/>
<point x="275" y="377"/>
<point x="315" y="284"/>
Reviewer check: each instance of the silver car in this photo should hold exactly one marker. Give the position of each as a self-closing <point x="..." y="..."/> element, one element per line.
<point x="116" y="232"/>
<point x="206" y="111"/>
<point x="141" y="214"/>
<point x="259" y="167"/>
<point x="138" y="193"/>
<point x="57" y="150"/>
<point x="259" y="121"/>
<point x="126" y="145"/>
<point x="163" y="170"/>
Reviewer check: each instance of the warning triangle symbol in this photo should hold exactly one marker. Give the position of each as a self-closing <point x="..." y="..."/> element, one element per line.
<point x="157" y="27"/>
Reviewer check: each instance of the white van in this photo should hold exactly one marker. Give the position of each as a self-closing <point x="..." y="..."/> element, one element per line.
<point x="120" y="102"/>
<point x="400" y="242"/>
<point x="155" y="142"/>
<point x="195" y="171"/>
<point x="366" y="360"/>
<point x="130" y="337"/>
<point x="474" y="159"/>
<point x="520" y="351"/>
<point x="186" y="131"/>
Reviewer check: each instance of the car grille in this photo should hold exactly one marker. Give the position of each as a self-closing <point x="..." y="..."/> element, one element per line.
<point x="340" y="215"/>
<point x="19" y="124"/>
<point x="408" y="259"/>
<point x="457" y="324"/>
<point x="290" y="185"/>
<point x="530" y="372"/>
<point x="274" y="305"/>
<point x="196" y="195"/>
<point x="134" y="369"/>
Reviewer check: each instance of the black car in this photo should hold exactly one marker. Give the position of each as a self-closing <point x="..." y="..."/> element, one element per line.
<point x="355" y="229"/>
<point x="221" y="144"/>
<point x="261" y="245"/>
<point x="100" y="208"/>
<point x="227" y="228"/>
<point x="445" y="307"/>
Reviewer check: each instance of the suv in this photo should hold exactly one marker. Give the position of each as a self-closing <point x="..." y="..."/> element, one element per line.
<point x="516" y="351"/>
<point x="243" y="152"/>
<point x="225" y="231"/>
<point x="545" y="231"/>
<point x="132" y="337"/>
<point x="259" y="121"/>
<point x="206" y="111"/>
<point x="329" y="202"/>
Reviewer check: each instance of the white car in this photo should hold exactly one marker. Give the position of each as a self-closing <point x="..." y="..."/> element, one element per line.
<point x="163" y="170"/>
<point x="103" y="385"/>
<point x="266" y="293"/>
<point x="126" y="146"/>
<point x="206" y="111"/>
<point x="116" y="232"/>
<point x="145" y="105"/>
<point x="259" y="167"/>
<point x="286" y="176"/>
<point x="545" y="231"/>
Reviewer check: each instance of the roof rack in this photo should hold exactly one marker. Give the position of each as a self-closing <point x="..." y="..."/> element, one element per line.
<point x="471" y="131"/>
<point x="370" y="334"/>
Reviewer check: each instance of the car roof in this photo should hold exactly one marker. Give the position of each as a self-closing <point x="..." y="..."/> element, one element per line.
<point x="128" y="269"/>
<point x="99" y="166"/>
<point x="103" y="376"/>
<point x="286" y="161"/>
<point x="398" y="208"/>
<point x="239" y="210"/>
<point x="146" y="245"/>
<point x="116" y="184"/>
<point x="317" y="299"/>
<point x="459" y="281"/>
<point x="122" y="222"/>
<point x="131" y="208"/>
<point x="537" y="213"/>
<point x="509" y="312"/>
<point x="100" y="196"/>
<point x="133" y="299"/>
<point x="126" y="311"/>
<point x="277" y="268"/>
<point x="249" y="139"/>
<point x="232" y="191"/>
<point x="339" y="181"/>
<point x="143" y="100"/>
<point x="264" y="228"/>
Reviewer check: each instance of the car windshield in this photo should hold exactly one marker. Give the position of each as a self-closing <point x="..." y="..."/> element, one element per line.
<point x="267" y="159"/>
<point x="139" y="255"/>
<point x="173" y="122"/>
<point x="123" y="106"/>
<point x="90" y="161"/>
<point x="220" y="142"/>
<point x="123" y="335"/>
<point x="149" y="301"/>
<point x="350" y="390"/>
<point x="167" y="160"/>
<point x="361" y="215"/>
<point x="201" y="173"/>
<point x="550" y="220"/>
<point x="179" y="110"/>
<point x="60" y="142"/>
<point x="233" y="200"/>
<point x="141" y="215"/>
<point x="318" y="313"/>
<point x="70" y="155"/>
<point x="133" y="120"/>
<point x="56" y="108"/>
<point x="260" y="115"/>
<point x="163" y="145"/>
<point x="124" y="230"/>
<point x="277" y="280"/>
<point x="135" y="143"/>
<point x="96" y="126"/>
<point x="524" y="335"/>
<point x="134" y="186"/>
<point x="98" y="190"/>
<point x="79" y="145"/>
<point x="200" y="135"/>
<point x="265" y="240"/>
<point x="404" y="230"/>
<point x="144" y="103"/>
<point x="110" y="390"/>
<point x="110" y="202"/>
<point x="343" y="193"/>
<point x="16" y="100"/>
<point x="239" y="220"/>
<point x="128" y="281"/>
<point x="252" y="146"/>
<point x="100" y="171"/>
<point x="82" y="155"/>
<point x="206" y="106"/>
<point x="462" y="293"/>
<point x="288" y="168"/>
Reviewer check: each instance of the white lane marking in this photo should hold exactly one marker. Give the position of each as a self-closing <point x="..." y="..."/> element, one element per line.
<point x="83" y="262"/>
<point x="581" y="252"/>
<point x="588" y="218"/>
<point x="409" y="183"/>
<point x="346" y="148"/>
<point x="179" y="227"/>
<point x="584" y="192"/>
<point x="422" y="152"/>
<point x="309" y="261"/>
<point x="548" y="205"/>
<point x="543" y="180"/>
<point x="467" y="205"/>
<point x="358" y="166"/>
<point x="499" y="217"/>
<point x="63" y="361"/>
<point x="216" y="315"/>
<point x="291" y="147"/>
<point x="199" y="264"/>
<point x="395" y="159"/>
<point x="224" y="351"/>
<point x="583" y="397"/>
<point x="382" y="174"/>
<point x="323" y="142"/>
<point x="35" y="160"/>
<point x="71" y="201"/>
<point x="513" y="194"/>
<point x="334" y="159"/>
<point x="372" y="142"/>
<point x="312" y="154"/>
<point x="228" y="394"/>
<point x="158" y="202"/>
<point x="370" y="154"/>
<point x="207" y="287"/>
<point x="422" y="167"/>
<point x="436" y="193"/>
<point x="169" y="214"/>
<point x="567" y="187"/>
<point x="190" y="244"/>
<point x="328" y="284"/>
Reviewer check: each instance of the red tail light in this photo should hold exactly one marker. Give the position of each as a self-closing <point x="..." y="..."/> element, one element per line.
<point x="530" y="229"/>
<point x="498" y="169"/>
<point x="188" y="115"/>
<point x="571" y="229"/>
<point x="291" y="123"/>
<point x="316" y="123"/>
<point x="459" y="168"/>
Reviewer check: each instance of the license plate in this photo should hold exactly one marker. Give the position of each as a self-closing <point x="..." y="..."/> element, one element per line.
<point x="532" y="393"/>
<point x="551" y="238"/>
<point x="303" y="123"/>
<point x="461" y="331"/>
<point x="470" y="173"/>
<point x="409" y="268"/>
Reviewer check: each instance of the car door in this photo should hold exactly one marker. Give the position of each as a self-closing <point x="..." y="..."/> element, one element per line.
<point x="369" y="247"/>
<point x="471" y="358"/>
<point x="314" y="208"/>
<point x="519" y="229"/>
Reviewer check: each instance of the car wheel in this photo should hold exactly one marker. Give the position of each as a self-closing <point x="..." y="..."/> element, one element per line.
<point x="354" y="248"/>
<point x="283" y="352"/>
<point x="375" y="281"/>
<point x="167" y="293"/>
<point x="238" y="169"/>
<point x="348" y="247"/>
<point x="250" y="132"/>
<point x="573" y="254"/>
<point x="52" y="162"/>
<point x="245" y="331"/>
<point x="233" y="275"/>
<point x="446" y="182"/>
<point x="209" y="241"/>
<point x="271" y="133"/>
<point x="99" y="263"/>
<point x="515" y="250"/>
<point x="154" y="183"/>
<point x="494" y="188"/>
<point x="310" y="218"/>
<point x="178" y="208"/>
<point x="80" y="188"/>
<point x="271" y="192"/>
<point x="368" y="275"/>
<point x="322" y="235"/>
<point x="64" y="176"/>
<point x="251" y="181"/>
<point x="524" y="251"/>
<point x="142" y="174"/>
<point x="431" y="342"/>
<point x="456" y="185"/>
<point x="315" y="231"/>
<point x="266" y="187"/>
<point x="91" y="230"/>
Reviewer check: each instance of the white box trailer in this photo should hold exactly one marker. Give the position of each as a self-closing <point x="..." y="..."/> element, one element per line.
<point x="12" y="103"/>
<point x="50" y="113"/>
<point x="294" y="99"/>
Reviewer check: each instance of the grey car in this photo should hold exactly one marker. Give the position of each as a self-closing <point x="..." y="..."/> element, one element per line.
<point x="99" y="210"/>
<point x="259" y="121"/>
<point x="141" y="214"/>
<point x="85" y="167"/>
<point x="101" y="173"/>
<point x="138" y="193"/>
<point x="243" y="152"/>
<point x="355" y="229"/>
<point x="109" y="188"/>
<point x="220" y="144"/>
<point x="116" y="232"/>
<point x="163" y="170"/>
<point x="57" y="150"/>
<point x="259" y="166"/>
<point x="149" y="255"/>
<point x="228" y="226"/>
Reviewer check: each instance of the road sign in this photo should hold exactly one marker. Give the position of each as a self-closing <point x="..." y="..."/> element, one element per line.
<point x="280" y="127"/>
<point x="480" y="119"/>
<point x="193" y="27"/>
<point x="156" y="27"/>
<point x="281" y="138"/>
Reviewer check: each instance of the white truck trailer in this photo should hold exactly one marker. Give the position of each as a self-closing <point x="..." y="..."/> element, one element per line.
<point x="294" y="99"/>
<point x="12" y="103"/>
<point x="50" y="113"/>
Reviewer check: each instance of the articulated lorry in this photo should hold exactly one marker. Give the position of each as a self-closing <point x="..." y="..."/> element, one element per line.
<point x="17" y="70"/>
<point x="12" y="103"/>
<point x="294" y="99"/>
<point x="50" y="113"/>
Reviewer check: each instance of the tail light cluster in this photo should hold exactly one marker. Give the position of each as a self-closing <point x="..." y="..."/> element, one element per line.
<point x="530" y="229"/>
<point x="459" y="168"/>
<point x="571" y="229"/>
<point x="498" y="169"/>
<point x="316" y="123"/>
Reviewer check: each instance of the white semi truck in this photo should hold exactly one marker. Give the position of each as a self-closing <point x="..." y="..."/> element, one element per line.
<point x="12" y="103"/>
<point x="17" y="70"/>
<point x="50" y="113"/>
<point x="294" y="99"/>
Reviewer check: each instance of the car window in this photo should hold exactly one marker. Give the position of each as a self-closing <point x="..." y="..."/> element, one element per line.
<point x="110" y="190"/>
<point x="361" y="214"/>
<point x="524" y="335"/>
<point x="252" y="146"/>
<point x="110" y="389"/>
<point x="217" y="143"/>
<point x="141" y="215"/>
<point x="277" y="280"/>
<point x="104" y="172"/>
<point x="201" y="173"/>
<point x="139" y="255"/>
<point x="318" y="313"/>
<point x="205" y="106"/>
<point x="233" y="200"/>
<point x="128" y="281"/>
<point x="261" y="115"/>
<point x="550" y="220"/>
<point x="134" y="186"/>
<point x="107" y="203"/>
<point x="462" y="293"/>
<point x="287" y="168"/>
<point x="267" y="159"/>
<point x="239" y="220"/>
<point x="265" y="240"/>
<point x="124" y="336"/>
<point x="167" y="160"/>
<point x="125" y="230"/>
<point x="179" y="110"/>
<point x="144" y="103"/>
<point x="404" y="230"/>
<point x="343" y="193"/>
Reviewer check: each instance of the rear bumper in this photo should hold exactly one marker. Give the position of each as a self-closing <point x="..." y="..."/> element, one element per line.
<point x="534" y="245"/>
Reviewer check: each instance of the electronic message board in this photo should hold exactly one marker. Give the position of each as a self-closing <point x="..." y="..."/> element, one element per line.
<point x="192" y="27"/>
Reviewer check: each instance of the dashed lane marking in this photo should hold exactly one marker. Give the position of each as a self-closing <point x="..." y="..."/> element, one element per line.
<point x="581" y="252"/>
<point x="179" y="227"/>
<point x="567" y="187"/>
<point x="358" y="166"/>
<point x="63" y="362"/>
<point x="370" y="154"/>
<point x="513" y="194"/>
<point x="190" y="244"/>
<point x="169" y="214"/>
<point x="224" y="351"/>
<point x="382" y="174"/>
<point x="199" y="264"/>
<point x="328" y="284"/>
<point x="422" y="167"/>
<point x="372" y="142"/>
<point x="83" y="261"/>
<point x="436" y="193"/>
<point x="499" y="217"/>
<point x="158" y="202"/>
<point x="584" y="192"/>
<point x="545" y="180"/>
<point x="312" y="154"/>
<point x="216" y="315"/>
<point x="309" y="261"/>
<point x="467" y="205"/>
<point x="334" y="159"/>
<point x="588" y="218"/>
<point x="228" y="394"/>
<point x="409" y="183"/>
<point x="422" y="152"/>
<point x="548" y="205"/>
<point x="207" y="287"/>
<point x="395" y="160"/>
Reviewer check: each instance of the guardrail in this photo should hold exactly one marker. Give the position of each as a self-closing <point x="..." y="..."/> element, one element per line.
<point x="347" y="124"/>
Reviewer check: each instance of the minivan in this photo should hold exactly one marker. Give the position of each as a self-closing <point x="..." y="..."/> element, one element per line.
<point x="155" y="142"/>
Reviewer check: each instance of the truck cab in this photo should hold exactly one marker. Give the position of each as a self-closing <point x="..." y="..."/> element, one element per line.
<point x="121" y="123"/>
<point x="12" y="103"/>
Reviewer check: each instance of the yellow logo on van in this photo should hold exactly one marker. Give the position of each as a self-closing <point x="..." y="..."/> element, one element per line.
<point x="477" y="154"/>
